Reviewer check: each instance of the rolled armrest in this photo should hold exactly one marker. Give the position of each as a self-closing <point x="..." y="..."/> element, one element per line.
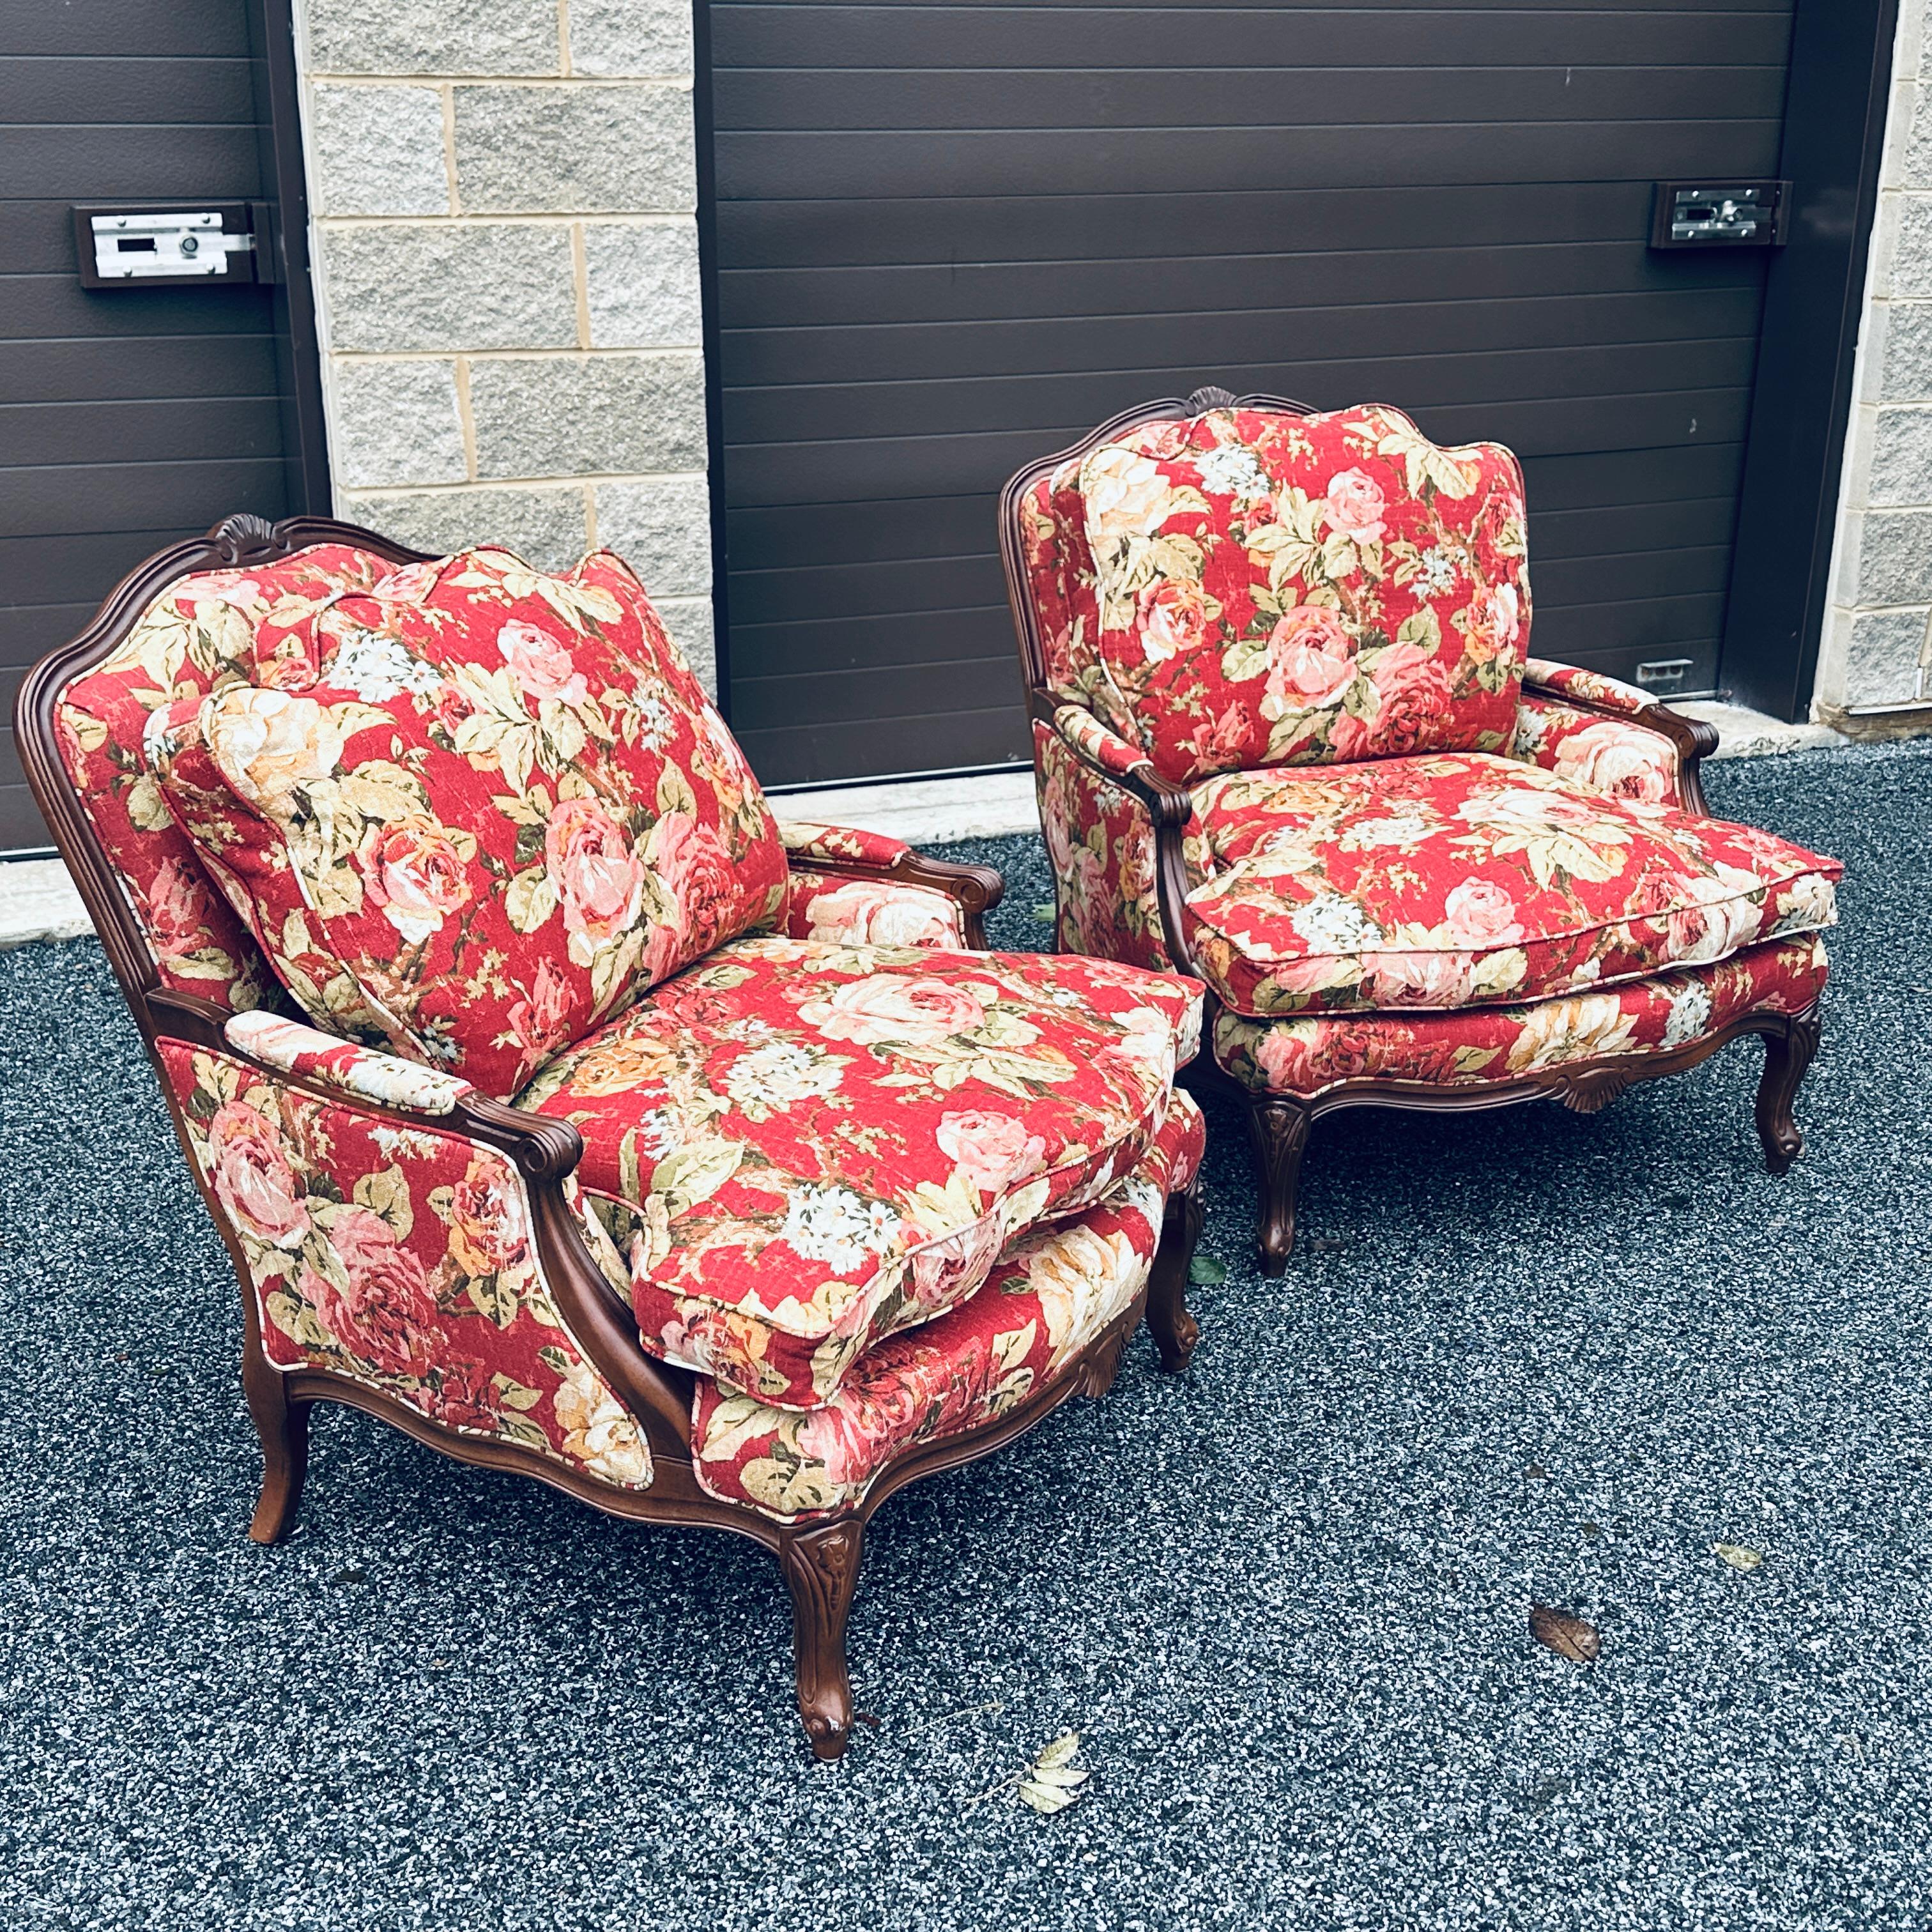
<point x="379" y="1078"/>
<point x="822" y="855"/>
<point x="1589" y="689"/>
<point x="1107" y="748"/>
<point x="1556" y="695"/>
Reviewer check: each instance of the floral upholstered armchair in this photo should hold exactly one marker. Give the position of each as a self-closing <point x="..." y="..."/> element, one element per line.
<point x="557" y="1104"/>
<point x="1288" y="740"/>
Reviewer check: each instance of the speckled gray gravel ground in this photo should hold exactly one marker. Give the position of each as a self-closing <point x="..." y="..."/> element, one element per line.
<point x="1284" y="1596"/>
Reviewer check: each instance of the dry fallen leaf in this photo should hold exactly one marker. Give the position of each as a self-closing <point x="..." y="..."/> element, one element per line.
<point x="1051" y="1783"/>
<point x="1568" y="1635"/>
<point x="1737" y="1555"/>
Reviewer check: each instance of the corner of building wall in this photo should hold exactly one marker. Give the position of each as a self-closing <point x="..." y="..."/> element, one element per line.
<point x="1879" y="604"/>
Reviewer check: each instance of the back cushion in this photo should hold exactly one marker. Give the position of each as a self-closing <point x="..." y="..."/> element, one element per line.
<point x="202" y="631"/>
<point x="1271" y="589"/>
<point x="478" y="810"/>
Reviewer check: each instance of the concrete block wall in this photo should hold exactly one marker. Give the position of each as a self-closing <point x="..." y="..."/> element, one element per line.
<point x="504" y="199"/>
<point x="1876" y="651"/>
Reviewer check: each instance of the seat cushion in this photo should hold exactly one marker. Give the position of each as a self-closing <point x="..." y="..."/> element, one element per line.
<point x="800" y="1146"/>
<point x="1486" y="1046"/>
<point x="1471" y="880"/>
<point x="1053" y="1291"/>
<point x="1277" y="589"/>
<point x="474" y="810"/>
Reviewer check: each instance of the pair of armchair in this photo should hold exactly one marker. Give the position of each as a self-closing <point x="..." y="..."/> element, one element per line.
<point x="1289" y="741"/>
<point x="558" y="1106"/>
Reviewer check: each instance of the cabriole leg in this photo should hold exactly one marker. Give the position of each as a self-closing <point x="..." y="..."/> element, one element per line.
<point x="820" y="1567"/>
<point x="283" y="1425"/>
<point x="1787" y="1055"/>
<point x="1175" y="1331"/>
<point x="1280" y="1130"/>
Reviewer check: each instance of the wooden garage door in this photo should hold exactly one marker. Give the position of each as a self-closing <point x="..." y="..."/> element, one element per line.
<point x="128" y="417"/>
<point x="950" y="237"/>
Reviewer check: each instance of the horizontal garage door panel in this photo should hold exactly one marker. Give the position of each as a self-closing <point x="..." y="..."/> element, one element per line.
<point x="945" y="37"/>
<point x="1187" y="284"/>
<point x="857" y="410"/>
<point x="951" y="238"/>
<point x="1156" y="347"/>
<point x="1086" y="161"/>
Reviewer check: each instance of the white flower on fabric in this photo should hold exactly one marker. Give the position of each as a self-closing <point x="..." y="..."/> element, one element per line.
<point x="1437" y="576"/>
<point x="655" y="724"/>
<point x="1335" y="924"/>
<point x="1230" y="469"/>
<point x="1690" y="1014"/>
<point x="834" y="1225"/>
<point x="781" y="1074"/>
<point x="659" y="1133"/>
<point x="376" y="667"/>
<point x="1408" y="828"/>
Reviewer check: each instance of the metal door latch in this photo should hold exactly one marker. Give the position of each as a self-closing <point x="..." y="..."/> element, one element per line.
<point x="1734" y="214"/>
<point x="118" y="246"/>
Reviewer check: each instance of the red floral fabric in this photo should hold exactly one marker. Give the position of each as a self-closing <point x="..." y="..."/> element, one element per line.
<point x="1050" y="1294"/>
<point x="1482" y="1046"/>
<point x="1469" y="880"/>
<point x="1619" y="757"/>
<point x="1100" y="840"/>
<point x="198" y="635"/>
<point x="809" y="841"/>
<point x="477" y="810"/>
<point x="1586" y="687"/>
<point x="1274" y="588"/>
<point x="802" y="1147"/>
<point x="869" y="912"/>
<point x="1080" y="728"/>
<point x="402" y="1258"/>
<point x="378" y="1077"/>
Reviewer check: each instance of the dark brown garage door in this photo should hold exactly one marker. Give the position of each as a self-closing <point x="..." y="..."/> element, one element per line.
<point x="129" y="417"/>
<point x="950" y="237"/>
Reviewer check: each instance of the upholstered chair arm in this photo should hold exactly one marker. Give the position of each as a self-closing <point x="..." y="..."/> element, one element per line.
<point x="866" y="888"/>
<point x="421" y="1122"/>
<point x="1563" y="703"/>
<point x="381" y="1078"/>
<point x="1169" y="807"/>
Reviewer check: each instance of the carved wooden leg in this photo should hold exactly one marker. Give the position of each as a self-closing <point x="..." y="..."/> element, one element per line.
<point x="283" y="1425"/>
<point x="1280" y="1130"/>
<point x="1175" y="1330"/>
<point x="1787" y="1055"/>
<point x="820" y="1567"/>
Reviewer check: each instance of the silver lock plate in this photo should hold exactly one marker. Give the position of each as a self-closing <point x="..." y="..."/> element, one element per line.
<point x="1720" y="215"/>
<point x="137" y="246"/>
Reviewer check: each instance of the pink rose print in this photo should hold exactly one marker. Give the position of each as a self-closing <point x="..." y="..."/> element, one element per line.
<point x="415" y="870"/>
<point x="252" y="1178"/>
<point x="386" y="1316"/>
<point x="1311" y="659"/>
<point x="463" y="1396"/>
<point x="908" y="1012"/>
<point x="1356" y="507"/>
<point x="990" y="1151"/>
<point x="946" y="1271"/>
<point x="540" y="1020"/>
<point x="543" y="667"/>
<point x="597" y="876"/>
<point x="1479" y="913"/>
<point x="1173" y="619"/>
<point x="695" y="868"/>
<point x="1496" y="621"/>
<point x="177" y="907"/>
<point x="488" y="1234"/>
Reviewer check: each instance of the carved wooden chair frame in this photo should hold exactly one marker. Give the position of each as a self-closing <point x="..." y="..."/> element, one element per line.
<point x="1279" y="1125"/>
<point x="819" y="1560"/>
